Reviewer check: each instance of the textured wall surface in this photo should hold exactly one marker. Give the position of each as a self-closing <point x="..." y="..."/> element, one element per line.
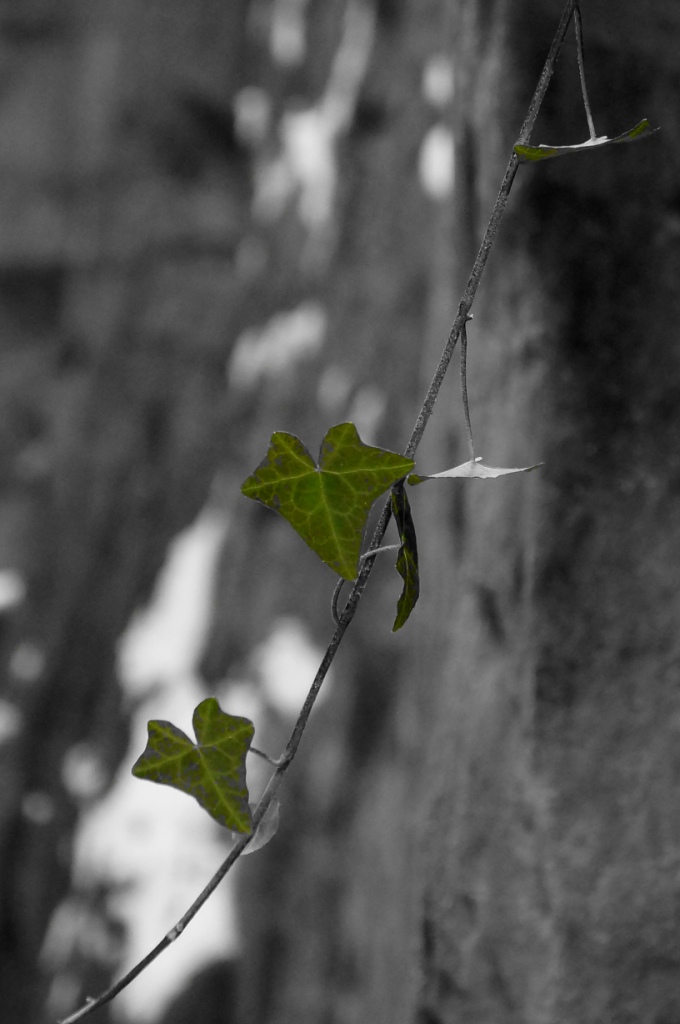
<point x="483" y="824"/>
<point x="505" y="848"/>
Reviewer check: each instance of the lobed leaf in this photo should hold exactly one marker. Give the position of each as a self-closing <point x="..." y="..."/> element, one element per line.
<point x="211" y="770"/>
<point x="471" y="471"/>
<point x="407" y="559"/>
<point x="328" y="503"/>
<point x="528" y="154"/>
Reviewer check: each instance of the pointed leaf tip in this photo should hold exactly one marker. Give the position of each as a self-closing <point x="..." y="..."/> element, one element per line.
<point x="211" y="770"/>
<point x="328" y="503"/>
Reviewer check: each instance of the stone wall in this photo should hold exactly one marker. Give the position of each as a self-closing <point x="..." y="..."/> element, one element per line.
<point x="504" y="847"/>
<point x="482" y="825"/>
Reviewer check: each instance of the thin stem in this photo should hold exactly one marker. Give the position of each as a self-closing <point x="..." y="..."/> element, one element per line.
<point x="371" y="553"/>
<point x="334" y="600"/>
<point x="578" y="29"/>
<point x="463" y="388"/>
<point x="93" y="1004"/>
<point x="260" y="753"/>
<point x="366" y="564"/>
<point x="546" y="73"/>
<point x="491" y="231"/>
<point x="378" y="551"/>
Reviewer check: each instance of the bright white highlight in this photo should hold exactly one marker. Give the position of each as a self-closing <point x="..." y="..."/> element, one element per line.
<point x="278" y="346"/>
<point x="436" y="162"/>
<point x="366" y="412"/>
<point x="82" y="772"/>
<point x="305" y="168"/>
<point x="287" y="663"/>
<point x="157" y="845"/>
<point x="12" y="589"/>
<point x="165" y="639"/>
<point x="11" y="721"/>
<point x="288" y="38"/>
<point x="438" y="81"/>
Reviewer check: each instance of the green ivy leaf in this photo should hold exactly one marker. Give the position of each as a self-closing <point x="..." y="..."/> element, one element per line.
<point x="407" y="559"/>
<point x="212" y="771"/>
<point x="471" y="471"/>
<point x="528" y="154"/>
<point x="327" y="504"/>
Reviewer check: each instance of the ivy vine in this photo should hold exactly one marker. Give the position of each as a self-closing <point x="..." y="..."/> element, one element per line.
<point x="328" y="502"/>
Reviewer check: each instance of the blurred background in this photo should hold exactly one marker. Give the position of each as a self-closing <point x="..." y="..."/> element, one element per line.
<point x="227" y="217"/>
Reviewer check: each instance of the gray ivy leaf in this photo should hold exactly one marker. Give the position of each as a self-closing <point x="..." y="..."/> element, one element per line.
<point x="530" y="154"/>
<point x="475" y="470"/>
<point x="266" y="830"/>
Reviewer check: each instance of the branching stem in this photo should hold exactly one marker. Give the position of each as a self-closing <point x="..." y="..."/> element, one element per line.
<point x="260" y="753"/>
<point x="366" y="564"/>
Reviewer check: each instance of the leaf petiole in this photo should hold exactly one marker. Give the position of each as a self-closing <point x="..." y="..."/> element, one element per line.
<point x="274" y="762"/>
<point x="377" y="551"/>
<point x="578" y="29"/>
<point x="338" y="586"/>
<point x="463" y="388"/>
